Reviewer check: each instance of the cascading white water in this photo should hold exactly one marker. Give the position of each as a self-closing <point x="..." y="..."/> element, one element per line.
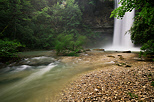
<point x="121" y="26"/>
<point x="121" y="39"/>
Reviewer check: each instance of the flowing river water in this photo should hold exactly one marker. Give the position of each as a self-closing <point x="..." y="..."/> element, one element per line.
<point x="41" y="76"/>
<point x="36" y="79"/>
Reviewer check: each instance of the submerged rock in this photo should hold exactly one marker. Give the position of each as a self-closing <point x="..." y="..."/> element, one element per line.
<point x="98" y="49"/>
<point x="126" y="52"/>
<point x="128" y="66"/>
<point x="121" y="58"/>
<point x="87" y="50"/>
<point x="111" y="56"/>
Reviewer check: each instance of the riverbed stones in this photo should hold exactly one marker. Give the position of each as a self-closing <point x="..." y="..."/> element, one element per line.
<point x="112" y="83"/>
<point x="130" y="85"/>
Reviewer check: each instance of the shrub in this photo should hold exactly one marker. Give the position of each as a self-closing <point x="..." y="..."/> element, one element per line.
<point x="9" y="48"/>
<point x="148" y="48"/>
<point x="68" y="44"/>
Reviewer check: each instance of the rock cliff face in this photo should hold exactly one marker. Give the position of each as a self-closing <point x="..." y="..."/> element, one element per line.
<point x="96" y="14"/>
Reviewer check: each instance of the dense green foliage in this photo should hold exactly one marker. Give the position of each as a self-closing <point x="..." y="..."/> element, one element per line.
<point x="17" y="23"/>
<point x="67" y="44"/>
<point x="37" y="23"/>
<point x="148" y="47"/>
<point x="142" y="31"/>
<point x="9" y="48"/>
<point x="67" y="22"/>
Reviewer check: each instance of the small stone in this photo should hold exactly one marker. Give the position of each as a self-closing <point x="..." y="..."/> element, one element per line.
<point x="121" y="58"/>
<point x="87" y="75"/>
<point x="139" y="72"/>
<point x="119" y="55"/>
<point x="142" y="99"/>
<point x="128" y="66"/>
<point x="119" y="64"/>
<point x="65" y="98"/>
<point x="98" y="87"/>
<point x="110" y="56"/>
<point x="147" y="99"/>
<point x="91" y="93"/>
<point x="99" y="95"/>
<point x="96" y="90"/>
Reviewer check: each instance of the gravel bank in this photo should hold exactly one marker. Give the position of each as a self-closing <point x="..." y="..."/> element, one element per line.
<point x="118" y="82"/>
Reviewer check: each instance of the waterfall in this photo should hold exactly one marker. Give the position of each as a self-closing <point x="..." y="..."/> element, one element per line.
<point x="121" y="26"/>
<point x="121" y="39"/>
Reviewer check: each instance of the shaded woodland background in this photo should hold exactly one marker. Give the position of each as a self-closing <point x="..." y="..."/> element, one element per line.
<point x="37" y="23"/>
<point x="69" y="25"/>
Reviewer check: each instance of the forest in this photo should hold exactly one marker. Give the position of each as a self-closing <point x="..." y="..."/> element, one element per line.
<point x="45" y="24"/>
<point x="62" y="25"/>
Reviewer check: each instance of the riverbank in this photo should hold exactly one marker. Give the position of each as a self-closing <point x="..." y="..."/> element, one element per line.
<point x="27" y="54"/>
<point x="116" y="77"/>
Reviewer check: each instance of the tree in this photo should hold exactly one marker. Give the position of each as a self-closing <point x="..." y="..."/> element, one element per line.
<point x="66" y="44"/>
<point x="67" y="22"/>
<point x="37" y="23"/>
<point x="142" y="31"/>
<point x="15" y="19"/>
<point x="66" y="17"/>
<point x="26" y="22"/>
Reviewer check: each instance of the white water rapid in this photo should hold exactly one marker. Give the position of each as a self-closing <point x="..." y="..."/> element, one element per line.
<point x="121" y="38"/>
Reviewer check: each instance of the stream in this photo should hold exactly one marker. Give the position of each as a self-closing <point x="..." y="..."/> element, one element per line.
<point x="36" y="79"/>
